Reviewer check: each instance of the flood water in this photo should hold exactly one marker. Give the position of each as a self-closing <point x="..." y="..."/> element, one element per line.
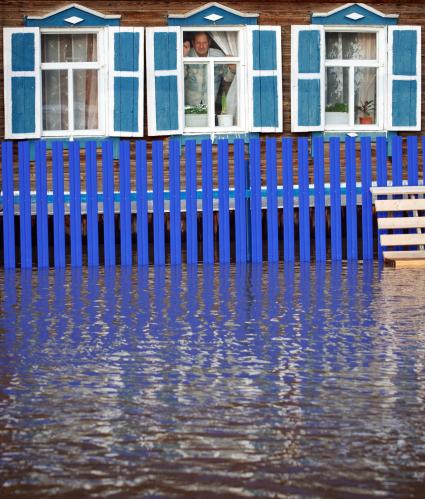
<point x="213" y="381"/>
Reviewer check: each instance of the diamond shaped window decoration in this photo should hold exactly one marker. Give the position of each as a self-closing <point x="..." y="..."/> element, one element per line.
<point x="213" y="17"/>
<point x="74" y="20"/>
<point x="355" y="16"/>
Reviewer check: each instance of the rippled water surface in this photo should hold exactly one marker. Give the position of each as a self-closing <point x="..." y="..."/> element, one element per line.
<point x="262" y="381"/>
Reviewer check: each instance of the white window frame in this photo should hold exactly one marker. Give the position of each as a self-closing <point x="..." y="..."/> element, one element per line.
<point x="241" y="74"/>
<point x="100" y="65"/>
<point x="381" y="84"/>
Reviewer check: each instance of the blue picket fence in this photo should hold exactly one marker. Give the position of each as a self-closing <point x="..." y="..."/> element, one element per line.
<point x="254" y="190"/>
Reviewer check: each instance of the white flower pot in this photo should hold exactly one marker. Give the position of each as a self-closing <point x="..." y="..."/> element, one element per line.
<point x="225" y="120"/>
<point x="196" y="120"/>
<point x="336" y="118"/>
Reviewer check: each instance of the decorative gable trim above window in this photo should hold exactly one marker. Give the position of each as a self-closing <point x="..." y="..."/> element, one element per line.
<point x="72" y="15"/>
<point x="357" y="14"/>
<point x="212" y="14"/>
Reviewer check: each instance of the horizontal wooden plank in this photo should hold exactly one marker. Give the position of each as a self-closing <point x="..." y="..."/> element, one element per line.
<point x="399" y="204"/>
<point x="402" y="239"/>
<point x="404" y="255"/>
<point x="396" y="190"/>
<point x="406" y="263"/>
<point x="401" y="222"/>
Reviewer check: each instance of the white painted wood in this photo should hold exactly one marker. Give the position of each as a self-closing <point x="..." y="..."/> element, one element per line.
<point x="404" y="254"/>
<point x="402" y="239"/>
<point x="401" y="223"/>
<point x="399" y="204"/>
<point x="405" y="189"/>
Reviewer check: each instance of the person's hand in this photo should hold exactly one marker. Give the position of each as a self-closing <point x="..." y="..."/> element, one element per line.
<point x="186" y="49"/>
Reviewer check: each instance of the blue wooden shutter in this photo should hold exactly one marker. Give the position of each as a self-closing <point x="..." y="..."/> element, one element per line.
<point x="125" y="81"/>
<point x="307" y="78"/>
<point x="404" y="77"/>
<point x="264" y="79"/>
<point x="164" y="77"/>
<point x="22" y="83"/>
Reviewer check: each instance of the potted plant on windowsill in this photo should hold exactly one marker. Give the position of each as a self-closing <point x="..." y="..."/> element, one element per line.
<point x="366" y="108"/>
<point x="196" y="116"/>
<point x="336" y="114"/>
<point x="224" y="118"/>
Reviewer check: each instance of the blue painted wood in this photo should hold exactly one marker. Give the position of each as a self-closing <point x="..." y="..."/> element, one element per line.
<point x="264" y="50"/>
<point x="166" y="105"/>
<point x="126" y="51"/>
<point x="126" y="104"/>
<point x="288" y="201"/>
<point x="207" y="204"/>
<point x="404" y="102"/>
<point x="272" y="227"/>
<point x="404" y="52"/>
<point x="158" y="201"/>
<point x="23" y="104"/>
<point x="108" y="202"/>
<point x="223" y="201"/>
<point x="191" y="203"/>
<point x="340" y="17"/>
<point x="23" y="51"/>
<point x="304" y="200"/>
<point x="142" y="203"/>
<point x="8" y="206"/>
<point x="256" y="211"/>
<point x="175" y="209"/>
<point x="335" y="195"/>
<point x="125" y="203"/>
<point x="265" y="101"/>
<point x="240" y="198"/>
<point x="309" y="51"/>
<point x="75" y="203"/>
<point x="25" y="204"/>
<point x="397" y="160"/>
<point x="381" y="177"/>
<point x="319" y="199"/>
<point x="92" y="210"/>
<point x="59" y="19"/>
<point x="165" y="51"/>
<point x="309" y="102"/>
<point x="367" y="212"/>
<point x="41" y="205"/>
<point x="58" y="204"/>
<point x="200" y="18"/>
<point x="351" y="198"/>
<point x="412" y="160"/>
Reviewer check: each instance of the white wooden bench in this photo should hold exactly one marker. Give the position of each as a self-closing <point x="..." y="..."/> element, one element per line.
<point x="404" y="215"/>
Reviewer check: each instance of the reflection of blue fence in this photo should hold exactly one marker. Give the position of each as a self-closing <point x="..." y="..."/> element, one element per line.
<point x="249" y="195"/>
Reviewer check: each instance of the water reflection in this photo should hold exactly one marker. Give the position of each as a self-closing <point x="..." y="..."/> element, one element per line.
<point x="261" y="380"/>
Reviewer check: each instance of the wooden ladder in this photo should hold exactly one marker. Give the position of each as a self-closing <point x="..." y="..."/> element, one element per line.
<point x="405" y="215"/>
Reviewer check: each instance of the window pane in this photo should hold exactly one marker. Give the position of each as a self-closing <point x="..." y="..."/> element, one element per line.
<point x="69" y="47"/>
<point x="350" y="45"/>
<point x="55" y="100"/>
<point x="196" y="95"/>
<point x="336" y="96"/>
<point x="210" y="44"/>
<point x="85" y="99"/>
<point x="365" y="95"/>
<point x="226" y="94"/>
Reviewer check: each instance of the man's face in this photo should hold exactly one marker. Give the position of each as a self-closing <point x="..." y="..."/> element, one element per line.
<point x="201" y="44"/>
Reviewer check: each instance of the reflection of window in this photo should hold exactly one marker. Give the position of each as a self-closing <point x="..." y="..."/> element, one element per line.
<point x="211" y="64"/>
<point x="352" y="72"/>
<point x="70" y="66"/>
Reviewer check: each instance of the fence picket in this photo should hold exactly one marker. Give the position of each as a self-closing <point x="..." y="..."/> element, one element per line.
<point x="158" y="202"/>
<point x="272" y="226"/>
<point x="367" y="213"/>
<point x="288" y="201"/>
<point x="175" y="210"/>
<point x="108" y="203"/>
<point x="223" y="201"/>
<point x="319" y="199"/>
<point x="207" y="204"/>
<point x="125" y="203"/>
<point x="191" y="203"/>
<point x="303" y="200"/>
<point x="41" y="205"/>
<point x="256" y="212"/>
<point x="351" y="198"/>
<point x="335" y="198"/>
<point x="142" y="203"/>
<point x="92" y="209"/>
<point x="8" y="206"/>
<point x="381" y="177"/>
<point x="75" y="203"/>
<point x="25" y="204"/>
<point x="240" y="201"/>
<point x="58" y="205"/>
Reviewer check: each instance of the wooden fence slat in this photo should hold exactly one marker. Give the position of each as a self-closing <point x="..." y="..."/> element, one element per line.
<point x="304" y="200"/>
<point x="223" y="201"/>
<point x="402" y="239"/>
<point x="412" y="160"/>
<point x="41" y="205"/>
<point x="58" y="204"/>
<point x="319" y="199"/>
<point x="191" y="203"/>
<point x="256" y="225"/>
<point x="272" y="226"/>
<point x="400" y="204"/>
<point x="401" y="223"/>
<point x="158" y="202"/>
<point x="335" y="198"/>
<point x="351" y="198"/>
<point x="175" y="202"/>
<point x="8" y="206"/>
<point x="75" y="203"/>
<point x="367" y="213"/>
<point x="207" y="204"/>
<point x="142" y="203"/>
<point x="125" y="203"/>
<point x="381" y="176"/>
<point x="92" y="209"/>
<point x="25" y="204"/>
<point x="108" y="203"/>
<point x="240" y="201"/>
<point x="288" y="201"/>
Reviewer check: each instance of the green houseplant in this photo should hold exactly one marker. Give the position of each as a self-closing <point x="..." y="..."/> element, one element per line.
<point x="366" y="107"/>
<point x="224" y="119"/>
<point x="196" y="116"/>
<point x="336" y="113"/>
